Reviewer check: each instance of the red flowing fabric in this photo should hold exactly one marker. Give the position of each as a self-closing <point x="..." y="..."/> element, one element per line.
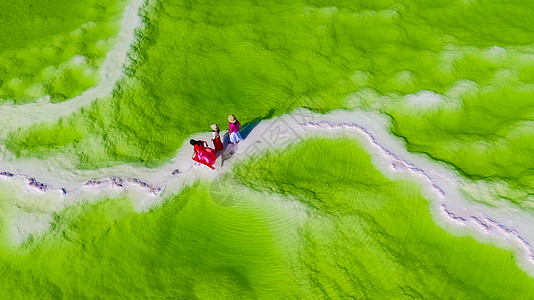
<point x="205" y="155"/>
<point x="218" y="144"/>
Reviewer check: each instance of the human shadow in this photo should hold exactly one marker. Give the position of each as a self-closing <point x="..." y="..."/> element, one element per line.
<point x="245" y="130"/>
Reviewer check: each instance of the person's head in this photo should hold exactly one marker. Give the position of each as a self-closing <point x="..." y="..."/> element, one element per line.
<point x="232" y="119"/>
<point x="215" y="128"/>
<point x="194" y="142"/>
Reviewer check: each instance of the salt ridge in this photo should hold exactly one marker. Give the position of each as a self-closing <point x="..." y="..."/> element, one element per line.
<point x="389" y="155"/>
<point x="457" y="211"/>
<point x="485" y="224"/>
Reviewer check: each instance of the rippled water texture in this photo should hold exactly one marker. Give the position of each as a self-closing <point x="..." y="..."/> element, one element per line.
<point x="316" y="221"/>
<point x="54" y="47"/>
<point x="455" y="79"/>
<point x="198" y="61"/>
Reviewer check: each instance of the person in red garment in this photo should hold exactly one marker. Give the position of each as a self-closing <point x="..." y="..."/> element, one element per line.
<point x="216" y="138"/>
<point x="203" y="154"/>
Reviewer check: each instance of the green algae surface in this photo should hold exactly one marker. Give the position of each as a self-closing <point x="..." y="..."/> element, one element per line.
<point x="316" y="221"/>
<point x="197" y="62"/>
<point x="54" y="47"/>
<point x="290" y="232"/>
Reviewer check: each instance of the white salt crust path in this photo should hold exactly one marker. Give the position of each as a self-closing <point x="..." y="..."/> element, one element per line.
<point x="505" y="226"/>
<point x="14" y="116"/>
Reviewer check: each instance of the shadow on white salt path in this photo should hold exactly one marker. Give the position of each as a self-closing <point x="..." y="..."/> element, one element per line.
<point x="61" y="185"/>
<point x="506" y="226"/>
<point x="112" y="69"/>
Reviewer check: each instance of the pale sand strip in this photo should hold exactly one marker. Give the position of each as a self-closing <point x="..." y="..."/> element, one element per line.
<point x="505" y="226"/>
<point x="501" y="225"/>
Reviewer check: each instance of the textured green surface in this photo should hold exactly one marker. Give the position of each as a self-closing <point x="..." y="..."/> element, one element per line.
<point x="54" y="47"/>
<point x="318" y="220"/>
<point x="368" y="236"/>
<point x="351" y="233"/>
<point x="199" y="61"/>
<point x="490" y="138"/>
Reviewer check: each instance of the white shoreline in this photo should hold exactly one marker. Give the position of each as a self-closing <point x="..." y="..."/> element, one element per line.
<point x="111" y="71"/>
<point x="504" y="226"/>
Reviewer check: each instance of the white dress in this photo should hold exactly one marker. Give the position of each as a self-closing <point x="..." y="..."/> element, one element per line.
<point x="235" y="137"/>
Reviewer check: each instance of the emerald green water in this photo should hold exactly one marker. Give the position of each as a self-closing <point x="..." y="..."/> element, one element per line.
<point x="317" y="221"/>
<point x="200" y="61"/>
<point x="487" y="140"/>
<point x="352" y="233"/>
<point x="40" y="39"/>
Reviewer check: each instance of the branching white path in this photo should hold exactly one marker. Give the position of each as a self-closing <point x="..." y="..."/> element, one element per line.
<point x="48" y="186"/>
<point x="505" y="226"/>
<point x="14" y="116"/>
